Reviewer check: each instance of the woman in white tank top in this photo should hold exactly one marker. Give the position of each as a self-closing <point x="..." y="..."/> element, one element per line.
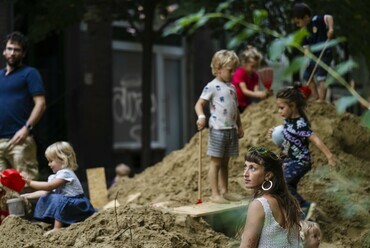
<point x="273" y="215"/>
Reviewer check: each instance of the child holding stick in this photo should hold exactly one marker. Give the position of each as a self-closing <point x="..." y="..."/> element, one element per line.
<point x="225" y="125"/>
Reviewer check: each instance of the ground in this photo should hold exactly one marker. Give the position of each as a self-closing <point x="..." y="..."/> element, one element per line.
<point x="342" y="193"/>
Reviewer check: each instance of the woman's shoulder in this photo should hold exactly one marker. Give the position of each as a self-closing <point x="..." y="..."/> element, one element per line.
<point x="261" y="202"/>
<point x="268" y="202"/>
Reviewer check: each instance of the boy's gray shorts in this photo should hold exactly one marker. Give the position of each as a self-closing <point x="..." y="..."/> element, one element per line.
<point x="223" y="143"/>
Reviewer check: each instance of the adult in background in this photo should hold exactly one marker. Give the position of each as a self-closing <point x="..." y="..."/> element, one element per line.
<point x="22" y="103"/>
<point x="273" y="214"/>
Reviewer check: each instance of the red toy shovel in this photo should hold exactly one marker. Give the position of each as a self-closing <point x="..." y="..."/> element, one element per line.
<point x="12" y="179"/>
<point x="266" y="75"/>
<point x="199" y="201"/>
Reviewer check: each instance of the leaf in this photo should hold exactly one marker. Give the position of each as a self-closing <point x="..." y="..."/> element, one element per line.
<point x="345" y="67"/>
<point x="300" y="35"/>
<point x="230" y="24"/>
<point x="366" y="119"/>
<point x="172" y="29"/>
<point x="259" y="15"/>
<point x="344" y="102"/>
<point x="330" y="43"/>
<point x="223" y="6"/>
<point x="296" y="65"/>
<point x="277" y="48"/>
<point x="241" y="37"/>
<point x="329" y="80"/>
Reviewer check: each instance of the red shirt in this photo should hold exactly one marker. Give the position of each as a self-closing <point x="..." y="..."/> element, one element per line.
<point x="251" y="80"/>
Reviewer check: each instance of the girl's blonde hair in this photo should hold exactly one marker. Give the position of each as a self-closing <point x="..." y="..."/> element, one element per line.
<point x="222" y="59"/>
<point x="63" y="151"/>
<point x="250" y="53"/>
<point x="306" y="226"/>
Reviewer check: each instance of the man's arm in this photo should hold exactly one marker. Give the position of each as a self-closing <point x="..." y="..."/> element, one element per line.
<point x="37" y="112"/>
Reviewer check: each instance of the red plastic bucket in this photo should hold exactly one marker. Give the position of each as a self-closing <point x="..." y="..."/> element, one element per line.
<point x="12" y="179"/>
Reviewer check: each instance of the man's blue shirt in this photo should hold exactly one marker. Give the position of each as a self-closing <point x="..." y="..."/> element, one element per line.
<point x="16" y="98"/>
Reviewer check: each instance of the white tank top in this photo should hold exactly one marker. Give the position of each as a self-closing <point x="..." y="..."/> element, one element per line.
<point x="273" y="235"/>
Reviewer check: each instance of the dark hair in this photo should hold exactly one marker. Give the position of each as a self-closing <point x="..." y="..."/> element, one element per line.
<point x="294" y="95"/>
<point x="17" y="37"/>
<point x="300" y="10"/>
<point x="279" y="190"/>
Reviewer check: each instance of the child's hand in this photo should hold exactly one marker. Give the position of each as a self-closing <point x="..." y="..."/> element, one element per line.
<point x="332" y="161"/>
<point x="269" y="132"/>
<point x="330" y="34"/>
<point x="201" y="123"/>
<point x="25" y="195"/>
<point x="240" y="132"/>
<point x="269" y="93"/>
<point x="26" y="178"/>
<point x="262" y="94"/>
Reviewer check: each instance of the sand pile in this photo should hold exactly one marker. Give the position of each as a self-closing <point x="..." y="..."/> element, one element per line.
<point x="342" y="194"/>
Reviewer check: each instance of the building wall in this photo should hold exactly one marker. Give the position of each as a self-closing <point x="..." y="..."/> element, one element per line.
<point x="6" y="22"/>
<point x="89" y="86"/>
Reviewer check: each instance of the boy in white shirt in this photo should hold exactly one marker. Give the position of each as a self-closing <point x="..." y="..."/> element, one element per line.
<point x="224" y="123"/>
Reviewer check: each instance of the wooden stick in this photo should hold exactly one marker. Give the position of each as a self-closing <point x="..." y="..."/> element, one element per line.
<point x="200" y="170"/>
<point x="317" y="63"/>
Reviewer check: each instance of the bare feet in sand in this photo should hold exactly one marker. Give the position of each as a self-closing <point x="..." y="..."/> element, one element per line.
<point x="233" y="196"/>
<point x="51" y="231"/>
<point x="218" y="199"/>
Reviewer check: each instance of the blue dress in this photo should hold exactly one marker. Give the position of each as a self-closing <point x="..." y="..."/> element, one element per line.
<point x="67" y="204"/>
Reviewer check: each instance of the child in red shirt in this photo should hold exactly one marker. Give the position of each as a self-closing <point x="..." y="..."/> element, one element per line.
<point x="245" y="78"/>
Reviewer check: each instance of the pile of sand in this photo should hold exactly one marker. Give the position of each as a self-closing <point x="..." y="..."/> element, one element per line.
<point x="342" y="194"/>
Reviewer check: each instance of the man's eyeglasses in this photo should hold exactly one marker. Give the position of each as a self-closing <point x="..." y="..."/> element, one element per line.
<point x="263" y="151"/>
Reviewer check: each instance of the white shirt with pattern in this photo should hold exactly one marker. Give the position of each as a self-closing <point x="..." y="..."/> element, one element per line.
<point x="223" y="104"/>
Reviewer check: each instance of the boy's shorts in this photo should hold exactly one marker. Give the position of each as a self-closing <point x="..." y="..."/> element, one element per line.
<point x="223" y="143"/>
<point x="320" y="73"/>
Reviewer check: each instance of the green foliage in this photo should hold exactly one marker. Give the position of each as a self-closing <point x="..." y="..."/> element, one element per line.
<point x="297" y="63"/>
<point x="327" y="44"/>
<point x="344" y="102"/>
<point x="47" y="16"/>
<point x="240" y="38"/>
<point x="232" y="23"/>
<point x="224" y="6"/>
<point x="194" y="21"/>
<point x="341" y="69"/>
<point x="259" y="16"/>
<point x="366" y="119"/>
<point x="277" y="49"/>
<point x="244" y="29"/>
<point x="344" y="191"/>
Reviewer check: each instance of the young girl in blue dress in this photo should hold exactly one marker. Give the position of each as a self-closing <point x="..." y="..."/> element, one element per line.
<point x="61" y="198"/>
<point x="297" y="134"/>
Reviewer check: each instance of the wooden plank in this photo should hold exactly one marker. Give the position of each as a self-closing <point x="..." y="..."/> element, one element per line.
<point x="206" y="208"/>
<point x="97" y="185"/>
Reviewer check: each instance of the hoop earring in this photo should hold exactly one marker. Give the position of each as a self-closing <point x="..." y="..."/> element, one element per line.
<point x="264" y="188"/>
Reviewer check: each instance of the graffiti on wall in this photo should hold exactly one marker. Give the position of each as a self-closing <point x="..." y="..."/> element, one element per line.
<point x="127" y="108"/>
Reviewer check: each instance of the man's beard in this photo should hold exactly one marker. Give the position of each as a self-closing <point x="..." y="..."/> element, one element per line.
<point x="13" y="62"/>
